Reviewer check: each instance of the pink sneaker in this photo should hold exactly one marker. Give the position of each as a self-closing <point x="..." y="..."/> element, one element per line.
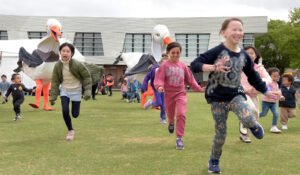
<point x="148" y="104"/>
<point x="70" y="135"/>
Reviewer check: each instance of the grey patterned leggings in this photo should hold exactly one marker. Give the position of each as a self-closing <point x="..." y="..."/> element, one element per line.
<point x="220" y="111"/>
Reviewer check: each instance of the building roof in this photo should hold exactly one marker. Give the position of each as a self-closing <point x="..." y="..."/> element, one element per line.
<point x="113" y="30"/>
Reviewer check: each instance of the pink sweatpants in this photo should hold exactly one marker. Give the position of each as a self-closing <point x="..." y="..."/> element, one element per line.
<point x="176" y="102"/>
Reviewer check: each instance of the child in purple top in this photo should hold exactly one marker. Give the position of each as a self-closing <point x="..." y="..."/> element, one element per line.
<point x="159" y="97"/>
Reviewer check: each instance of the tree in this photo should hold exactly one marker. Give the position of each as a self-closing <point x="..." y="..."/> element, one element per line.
<point x="294" y="16"/>
<point x="280" y="46"/>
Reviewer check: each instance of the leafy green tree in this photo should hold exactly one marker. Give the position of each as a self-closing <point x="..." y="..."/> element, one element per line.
<point x="280" y="46"/>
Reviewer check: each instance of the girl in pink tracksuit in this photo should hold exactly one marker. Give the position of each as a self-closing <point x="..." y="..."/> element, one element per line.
<point x="171" y="78"/>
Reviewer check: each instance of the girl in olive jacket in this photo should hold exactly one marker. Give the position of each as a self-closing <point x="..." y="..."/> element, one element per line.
<point x="68" y="78"/>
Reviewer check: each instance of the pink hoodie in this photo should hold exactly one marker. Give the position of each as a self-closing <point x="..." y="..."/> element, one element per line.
<point x="124" y="88"/>
<point x="275" y="88"/>
<point x="264" y="75"/>
<point x="172" y="76"/>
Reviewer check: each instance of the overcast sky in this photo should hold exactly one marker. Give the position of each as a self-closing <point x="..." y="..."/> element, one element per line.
<point x="274" y="9"/>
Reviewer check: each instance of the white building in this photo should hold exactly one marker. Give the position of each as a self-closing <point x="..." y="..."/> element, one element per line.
<point x="101" y="39"/>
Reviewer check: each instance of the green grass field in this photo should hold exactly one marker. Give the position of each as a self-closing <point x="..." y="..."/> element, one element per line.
<point x="114" y="137"/>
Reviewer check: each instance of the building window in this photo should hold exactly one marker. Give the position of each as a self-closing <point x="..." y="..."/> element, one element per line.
<point x="248" y="40"/>
<point x="89" y="44"/>
<point x="137" y="43"/>
<point x="193" y="44"/>
<point x="3" y="35"/>
<point x="36" y="35"/>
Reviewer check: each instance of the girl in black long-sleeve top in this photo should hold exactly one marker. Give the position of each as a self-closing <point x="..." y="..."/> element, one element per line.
<point x="224" y="91"/>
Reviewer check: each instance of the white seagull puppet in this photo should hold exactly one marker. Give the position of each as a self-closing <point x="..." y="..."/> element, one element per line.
<point x="39" y="65"/>
<point x="138" y="63"/>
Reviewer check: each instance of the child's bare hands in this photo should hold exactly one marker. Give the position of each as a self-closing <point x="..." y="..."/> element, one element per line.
<point x="220" y="65"/>
<point x="282" y="98"/>
<point x="271" y="93"/>
<point x="203" y="89"/>
<point x="160" y="89"/>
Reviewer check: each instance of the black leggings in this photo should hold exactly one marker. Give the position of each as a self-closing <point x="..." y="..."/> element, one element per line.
<point x="94" y="88"/>
<point x="110" y="90"/>
<point x="65" y="110"/>
<point x="17" y="103"/>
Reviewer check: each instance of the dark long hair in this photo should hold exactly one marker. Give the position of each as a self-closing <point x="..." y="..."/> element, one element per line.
<point x="255" y="51"/>
<point x="173" y="45"/>
<point x="71" y="47"/>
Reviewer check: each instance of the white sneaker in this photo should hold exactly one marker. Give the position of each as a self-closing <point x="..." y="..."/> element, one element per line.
<point x="70" y="135"/>
<point x="284" y="127"/>
<point x="17" y="117"/>
<point x="162" y="121"/>
<point x="245" y="140"/>
<point x="274" y="129"/>
<point x="148" y="104"/>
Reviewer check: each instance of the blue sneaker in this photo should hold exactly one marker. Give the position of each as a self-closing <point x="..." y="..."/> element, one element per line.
<point x="171" y="127"/>
<point x="257" y="130"/>
<point x="179" y="144"/>
<point x="213" y="166"/>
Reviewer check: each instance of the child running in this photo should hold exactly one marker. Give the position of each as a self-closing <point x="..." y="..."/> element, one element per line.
<point x="251" y="93"/>
<point x="159" y="97"/>
<point x="170" y="79"/>
<point x="4" y="85"/>
<point x="70" y="74"/>
<point x="269" y="102"/>
<point x="287" y="102"/>
<point x="17" y="89"/>
<point x="224" y="92"/>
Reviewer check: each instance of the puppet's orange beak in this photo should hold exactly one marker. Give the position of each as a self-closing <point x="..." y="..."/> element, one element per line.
<point x="167" y="40"/>
<point x="55" y="32"/>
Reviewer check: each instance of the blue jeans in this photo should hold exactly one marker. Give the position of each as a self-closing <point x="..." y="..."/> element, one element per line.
<point x="265" y="108"/>
<point x="133" y="95"/>
<point x="125" y="95"/>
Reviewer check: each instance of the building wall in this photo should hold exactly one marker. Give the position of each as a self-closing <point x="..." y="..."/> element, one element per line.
<point x="113" y="30"/>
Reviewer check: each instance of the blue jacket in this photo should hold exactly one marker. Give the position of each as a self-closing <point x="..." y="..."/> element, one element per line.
<point x="133" y="87"/>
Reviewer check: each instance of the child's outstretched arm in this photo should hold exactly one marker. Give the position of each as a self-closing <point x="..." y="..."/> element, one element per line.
<point x="145" y="82"/>
<point x="160" y="78"/>
<point x="9" y="90"/>
<point x="206" y="62"/>
<point x="25" y="89"/>
<point x="87" y="81"/>
<point x="190" y="80"/>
